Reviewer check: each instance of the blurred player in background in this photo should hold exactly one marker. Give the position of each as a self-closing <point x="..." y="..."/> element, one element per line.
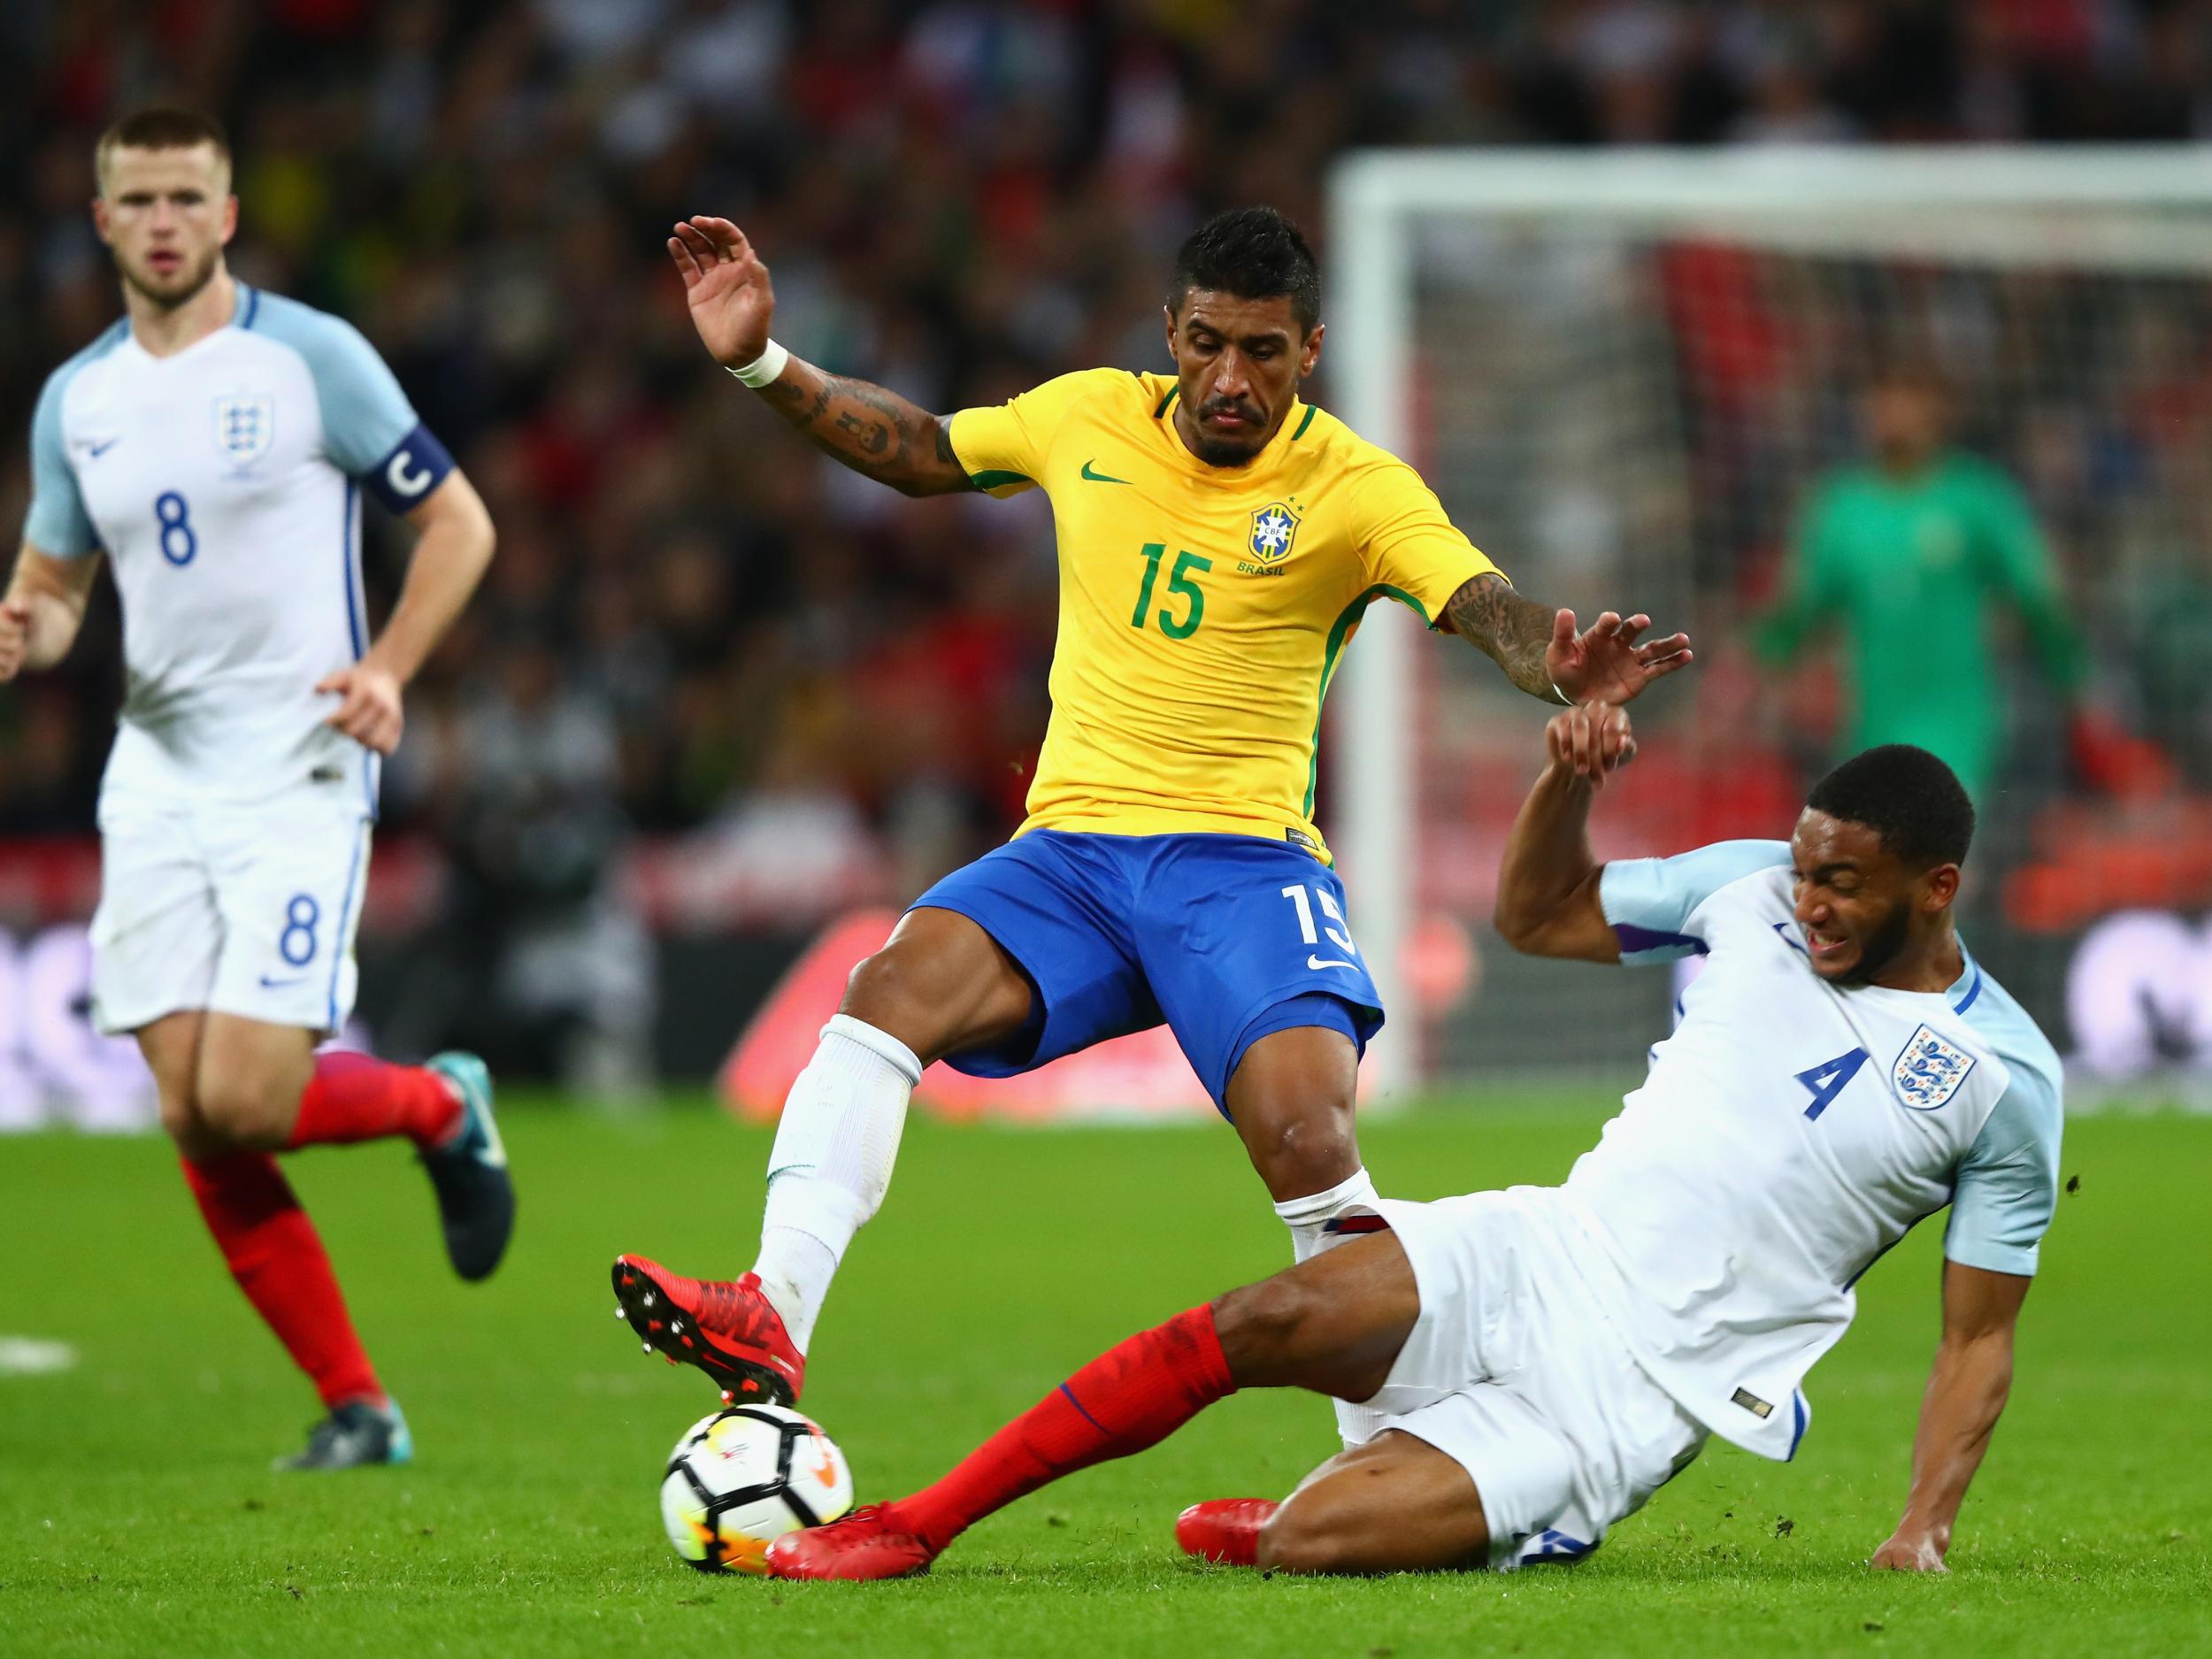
<point x="1219" y="539"/>
<point x="1547" y="1358"/>
<point x="213" y="446"/>
<point x="1919" y="551"/>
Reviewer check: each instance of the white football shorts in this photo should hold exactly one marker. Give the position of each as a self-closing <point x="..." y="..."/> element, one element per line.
<point x="1513" y="1371"/>
<point x="247" y="909"/>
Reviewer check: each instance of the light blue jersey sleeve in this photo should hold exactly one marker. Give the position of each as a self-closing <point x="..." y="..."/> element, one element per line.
<point x="370" y="430"/>
<point x="2007" y="1184"/>
<point x="58" y="522"/>
<point x="1649" y="900"/>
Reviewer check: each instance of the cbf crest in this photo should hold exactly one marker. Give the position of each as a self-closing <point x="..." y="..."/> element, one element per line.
<point x="1930" y="1070"/>
<point x="245" y="428"/>
<point x="1274" y="530"/>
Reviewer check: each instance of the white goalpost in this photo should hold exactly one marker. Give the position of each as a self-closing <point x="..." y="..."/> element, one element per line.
<point x="1622" y="372"/>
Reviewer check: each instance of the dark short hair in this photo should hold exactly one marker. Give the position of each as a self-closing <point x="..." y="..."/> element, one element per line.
<point x="1254" y="253"/>
<point x="161" y="126"/>
<point x="1906" y="796"/>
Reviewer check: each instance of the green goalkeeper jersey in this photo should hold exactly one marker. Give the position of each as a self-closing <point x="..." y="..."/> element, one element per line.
<point x="1916" y="570"/>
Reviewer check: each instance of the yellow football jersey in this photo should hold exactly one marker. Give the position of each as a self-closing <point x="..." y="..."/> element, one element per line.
<point x="1203" y="608"/>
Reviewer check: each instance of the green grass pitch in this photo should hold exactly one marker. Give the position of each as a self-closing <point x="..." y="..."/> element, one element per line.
<point x="137" y="1516"/>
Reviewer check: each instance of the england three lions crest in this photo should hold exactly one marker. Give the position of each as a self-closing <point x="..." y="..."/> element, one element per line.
<point x="245" y="428"/>
<point x="1274" y="530"/>
<point x="1930" y="1070"/>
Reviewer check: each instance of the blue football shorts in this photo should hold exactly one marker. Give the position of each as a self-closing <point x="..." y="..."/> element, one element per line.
<point x="1225" y="938"/>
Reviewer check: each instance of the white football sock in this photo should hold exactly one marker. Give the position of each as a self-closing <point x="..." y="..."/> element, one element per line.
<point x="1307" y="1219"/>
<point x="832" y="1162"/>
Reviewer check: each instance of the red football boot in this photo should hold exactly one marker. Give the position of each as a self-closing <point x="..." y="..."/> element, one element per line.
<point x="725" y="1327"/>
<point x="1227" y="1530"/>
<point x="869" y="1543"/>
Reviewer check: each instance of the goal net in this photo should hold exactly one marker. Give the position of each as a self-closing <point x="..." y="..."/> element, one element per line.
<point x="1625" y="376"/>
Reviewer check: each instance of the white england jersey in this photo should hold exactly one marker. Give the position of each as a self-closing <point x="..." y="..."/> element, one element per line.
<point x="1788" y="1133"/>
<point x="224" y="482"/>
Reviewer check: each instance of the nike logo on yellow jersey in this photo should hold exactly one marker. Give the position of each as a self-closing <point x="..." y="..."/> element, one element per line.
<point x="1099" y="478"/>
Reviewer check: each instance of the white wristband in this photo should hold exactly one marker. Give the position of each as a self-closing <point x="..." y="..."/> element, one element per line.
<point x="765" y="368"/>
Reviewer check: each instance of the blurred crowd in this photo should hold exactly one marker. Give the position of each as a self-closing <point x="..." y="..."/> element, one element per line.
<point x="692" y="624"/>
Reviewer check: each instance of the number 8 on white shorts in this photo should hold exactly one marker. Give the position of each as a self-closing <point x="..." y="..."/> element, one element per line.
<point x="238" y="910"/>
<point x="288" y="950"/>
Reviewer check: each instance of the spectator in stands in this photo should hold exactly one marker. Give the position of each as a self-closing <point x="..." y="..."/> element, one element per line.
<point x="977" y="194"/>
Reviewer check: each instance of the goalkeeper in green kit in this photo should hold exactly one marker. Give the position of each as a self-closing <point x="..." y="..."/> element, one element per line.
<point x="1916" y="551"/>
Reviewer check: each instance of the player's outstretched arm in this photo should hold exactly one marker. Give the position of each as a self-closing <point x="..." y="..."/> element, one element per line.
<point x="1966" y="1392"/>
<point x="43" y="608"/>
<point x="453" y="548"/>
<point x="1547" y="885"/>
<point x="873" y="431"/>
<point x="1544" y="656"/>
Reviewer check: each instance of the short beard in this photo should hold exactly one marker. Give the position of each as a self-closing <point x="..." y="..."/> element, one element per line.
<point x="1222" y="452"/>
<point x="1881" y="947"/>
<point x="183" y="298"/>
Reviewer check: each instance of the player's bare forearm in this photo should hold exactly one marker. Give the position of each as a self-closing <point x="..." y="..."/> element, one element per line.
<point x="868" y="428"/>
<point x="874" y="432"/>
<point x="42" y="610"/>
<point x="1966" y="1394"/>
<point x="1513" y="632"/>
<point x="454" y="550"/>
<point x="1548" y="902"/>
<point x="1542" y="654"/>
<point x="1967" y="1389"/>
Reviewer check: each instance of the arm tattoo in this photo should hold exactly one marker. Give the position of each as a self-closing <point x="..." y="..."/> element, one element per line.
<point x="1511" y="630"/>
<point x="874" y="432"/>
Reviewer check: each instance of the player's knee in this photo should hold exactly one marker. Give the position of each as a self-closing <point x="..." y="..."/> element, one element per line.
<point x="932" y="1004"/>
<point x="1303" y="1537"/>
<point x="876" y="983"/>
<point x="1264" y="1331"/>
<point x="182" y="1122"/>
<point x="248" y="1111"/>
<point x="892" y="993"/>
<point x="1301" y="1151"/>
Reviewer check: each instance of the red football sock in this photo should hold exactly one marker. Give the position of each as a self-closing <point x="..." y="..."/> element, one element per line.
<point x="1133" y="1395"/>
<point x="279" y="1263"/>
<point x="354" y="1097"/>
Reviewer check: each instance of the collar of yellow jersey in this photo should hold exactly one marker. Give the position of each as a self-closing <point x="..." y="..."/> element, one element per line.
<point x="1293" y="427"/>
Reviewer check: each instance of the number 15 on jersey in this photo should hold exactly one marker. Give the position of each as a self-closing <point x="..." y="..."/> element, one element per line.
<point x="1333" y="925"/>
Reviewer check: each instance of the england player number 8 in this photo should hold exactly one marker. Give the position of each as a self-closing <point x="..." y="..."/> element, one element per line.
<point x="297" y="942"/>
<point x="179" y="541"/>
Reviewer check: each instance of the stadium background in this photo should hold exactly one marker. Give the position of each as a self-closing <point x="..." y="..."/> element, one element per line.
<point x="718" y="692"/>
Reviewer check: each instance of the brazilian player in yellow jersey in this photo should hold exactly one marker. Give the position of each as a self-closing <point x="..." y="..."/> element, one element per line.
<point x="1203" y="606"/>
<point x="1219" y="539"/>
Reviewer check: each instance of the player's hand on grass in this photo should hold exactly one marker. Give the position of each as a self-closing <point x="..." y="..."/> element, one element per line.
<point x="1604" y="664"/>
<point x="1909" y="1552"/>
<point x="727" y="287"/>
<point x="1591" y="740"/>
<point x="369" y="710"/>
<point x="15" y="638"/>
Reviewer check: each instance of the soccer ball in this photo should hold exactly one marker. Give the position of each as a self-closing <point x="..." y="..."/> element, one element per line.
<point x="742" y="1479"/>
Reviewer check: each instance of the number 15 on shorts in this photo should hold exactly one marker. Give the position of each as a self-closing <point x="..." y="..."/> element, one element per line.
<point x="1303" y="899"/>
